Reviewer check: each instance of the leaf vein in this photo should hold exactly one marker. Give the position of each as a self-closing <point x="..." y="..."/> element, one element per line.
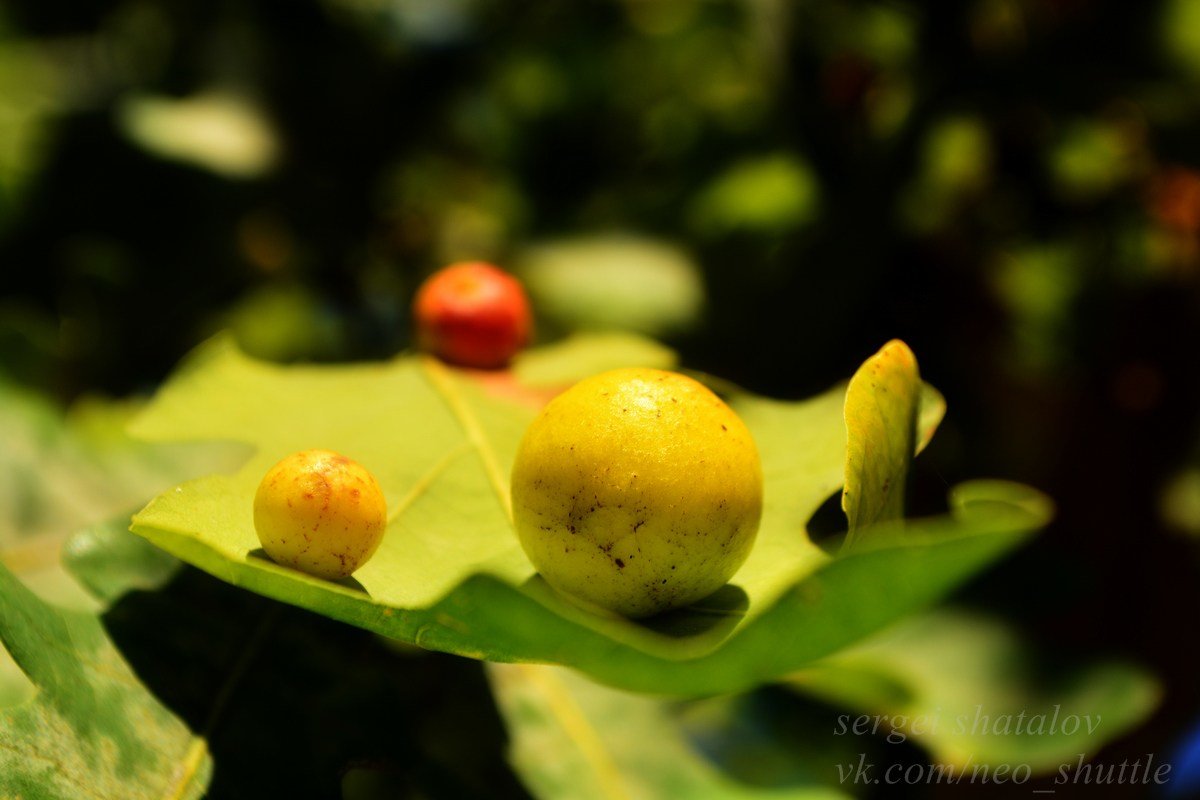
<point x="569" y="715"/>
<point x="423" y="483"/>
<point x="441" y="381"/>
<point x="61" y="768"/>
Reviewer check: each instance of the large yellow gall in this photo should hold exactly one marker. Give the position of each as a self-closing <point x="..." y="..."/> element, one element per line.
<point x="321" y="513"/>
<point x="637" y="490"/>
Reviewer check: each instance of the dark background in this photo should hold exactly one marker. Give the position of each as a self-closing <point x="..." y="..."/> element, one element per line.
<point x="1010" y="186"/>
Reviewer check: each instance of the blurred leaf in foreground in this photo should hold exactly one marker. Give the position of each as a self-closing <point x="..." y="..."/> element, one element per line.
<point x="63" y="472"/>
<point x="109" y="561"/>
<point x="60" y="473"/>
<point x="967" y="688"/>
<point x="15" y="686"/>
<point x="574" y="738"/>
<point x="92" y="729"/>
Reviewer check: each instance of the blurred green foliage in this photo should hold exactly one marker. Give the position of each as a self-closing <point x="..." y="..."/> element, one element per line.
<point x="215" y="168"/>
<point x="613" y="283"/>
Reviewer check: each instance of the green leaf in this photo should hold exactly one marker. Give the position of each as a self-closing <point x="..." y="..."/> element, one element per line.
<point x="109" y="561"/>
<point x="967" y="688"/>
<point x="882" y="403"/>
<point x="15" y="686"/>
<point x="92" y="730"/>
<point x="574" y="738"/>
<point x="450" y="574"/>
<point x="63" y="471"/>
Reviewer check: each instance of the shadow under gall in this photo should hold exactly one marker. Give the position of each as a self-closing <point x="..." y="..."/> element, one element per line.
<point x="717" y="614"/>
<point x="349" y="582"/>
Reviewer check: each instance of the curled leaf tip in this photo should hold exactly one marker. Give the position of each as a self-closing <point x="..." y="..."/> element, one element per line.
<point x="882" y="404"/>
<point x="898" y="351"/>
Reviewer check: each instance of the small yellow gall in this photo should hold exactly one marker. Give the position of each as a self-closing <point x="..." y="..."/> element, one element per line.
<point x="321" y="513"/>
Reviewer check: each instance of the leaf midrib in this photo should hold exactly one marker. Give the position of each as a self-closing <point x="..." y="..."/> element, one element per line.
<point x="439" y="378"/>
